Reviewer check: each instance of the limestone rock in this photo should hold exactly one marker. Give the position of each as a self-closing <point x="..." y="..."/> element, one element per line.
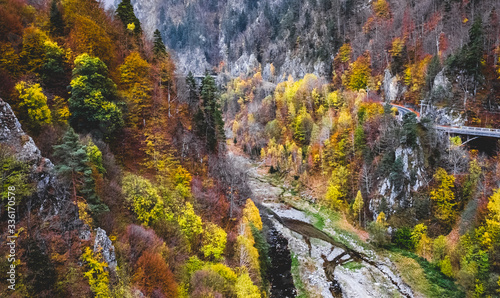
<point x="103" y="244"/>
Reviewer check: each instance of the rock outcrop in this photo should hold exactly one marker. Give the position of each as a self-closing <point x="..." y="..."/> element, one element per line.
<point x="47" y="195"/>
<point x="397" y="193"/>
<point x="103" y="245"/>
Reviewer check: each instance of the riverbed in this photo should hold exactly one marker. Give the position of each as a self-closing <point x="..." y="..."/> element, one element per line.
<point x="327" y="262"/>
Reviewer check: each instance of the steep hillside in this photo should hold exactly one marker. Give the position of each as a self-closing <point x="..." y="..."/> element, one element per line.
<point x="299" y="37"/>
<point x="321" y="148"/>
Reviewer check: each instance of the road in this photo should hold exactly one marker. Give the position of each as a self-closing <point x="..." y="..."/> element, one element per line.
<point x="461" y="130"/>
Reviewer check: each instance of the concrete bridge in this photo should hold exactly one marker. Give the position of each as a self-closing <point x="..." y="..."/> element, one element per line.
<point x="459" y="130"/>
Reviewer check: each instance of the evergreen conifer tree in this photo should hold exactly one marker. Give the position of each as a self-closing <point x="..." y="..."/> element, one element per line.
<point x="74" y="166"/>
<point x="192" y="90"/>
<point x="56" y="19"/>
<point x="213" y="123"/>
<point x="125" y="12"/>
<point x="158" y="46"/>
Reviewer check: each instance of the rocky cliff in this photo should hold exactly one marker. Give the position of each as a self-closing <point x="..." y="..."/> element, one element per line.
<point x="50" y="198"/>
<point x="293" y="37"/>
<point x="282" y="37"/>
<point x="47" y="194"/>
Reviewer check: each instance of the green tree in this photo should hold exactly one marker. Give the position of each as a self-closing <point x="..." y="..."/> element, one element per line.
<point x="158" y="46"/>
<point x="125" y="12"/>
<point x="33" y="103"/>
<point x="73" y="166"/>
<point x="193" y="98"/>
<point x="402" y="238"/>
<point x="56" y="19"/>
<point x="212" y="127"/>
<point x="52" y="70"/>
<point x="92" y="93"/>
<point x="410" y="129"/>
<point x="263" y="249"/>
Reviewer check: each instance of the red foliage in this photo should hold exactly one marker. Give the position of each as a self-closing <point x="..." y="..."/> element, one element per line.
<point x="443" y="43"/>
<point x="137" y="239"/>
<point x="433" y="21"/>
<point x="153" y="275"/>
<point x="10" y="18"/>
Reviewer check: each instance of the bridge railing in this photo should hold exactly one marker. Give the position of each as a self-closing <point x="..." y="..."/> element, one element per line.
<point x="470" y="128"/>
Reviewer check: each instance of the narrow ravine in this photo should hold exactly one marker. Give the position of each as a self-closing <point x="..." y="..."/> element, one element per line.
<point x="322" y="259"/>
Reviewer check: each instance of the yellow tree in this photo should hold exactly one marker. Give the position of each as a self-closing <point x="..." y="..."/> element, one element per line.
<point x="357" y="206"/>
<point x="245" y="288"/>
<point x="360" y="73"/>
<point x="248" y="255"/>
<point x="87" y="36"/>
<point x="9" y="59"/>
<point x="190" y="223"/>
<point x="34" y="104"/>
<point x="33" y="52"/>
<point x="96" y="274"/>
<point x="492" y="233"/>
<point x="381" y="9"/>
<point x="423" y="244"/>
<point x="214" y="241"/>
<point x="134" y="79"/>
<point x="251" y="214"/>
<point x="336" y="190"/>
<point x="443" y="196"/>
<point x="142" y="198"/>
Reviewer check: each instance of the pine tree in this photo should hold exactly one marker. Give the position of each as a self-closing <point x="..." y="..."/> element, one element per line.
<point x="125" y="12"/>
<point x="474" y="49"/>
<point x="213" y="126"/>
<point x="56" y="19"/>
<point x="193" y="98"/>
<point x="158" y="45"/>
<point x="74" y="166"/>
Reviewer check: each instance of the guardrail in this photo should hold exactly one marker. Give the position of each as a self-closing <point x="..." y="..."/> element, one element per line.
<point x="469" y="130"/>
<point x="466" y="130"/>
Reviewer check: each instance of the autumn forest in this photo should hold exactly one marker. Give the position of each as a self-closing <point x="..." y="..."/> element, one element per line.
<point x="317" y="148"/>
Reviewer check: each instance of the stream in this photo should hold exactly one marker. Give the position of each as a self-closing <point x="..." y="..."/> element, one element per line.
<point x="327" y="267"/>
